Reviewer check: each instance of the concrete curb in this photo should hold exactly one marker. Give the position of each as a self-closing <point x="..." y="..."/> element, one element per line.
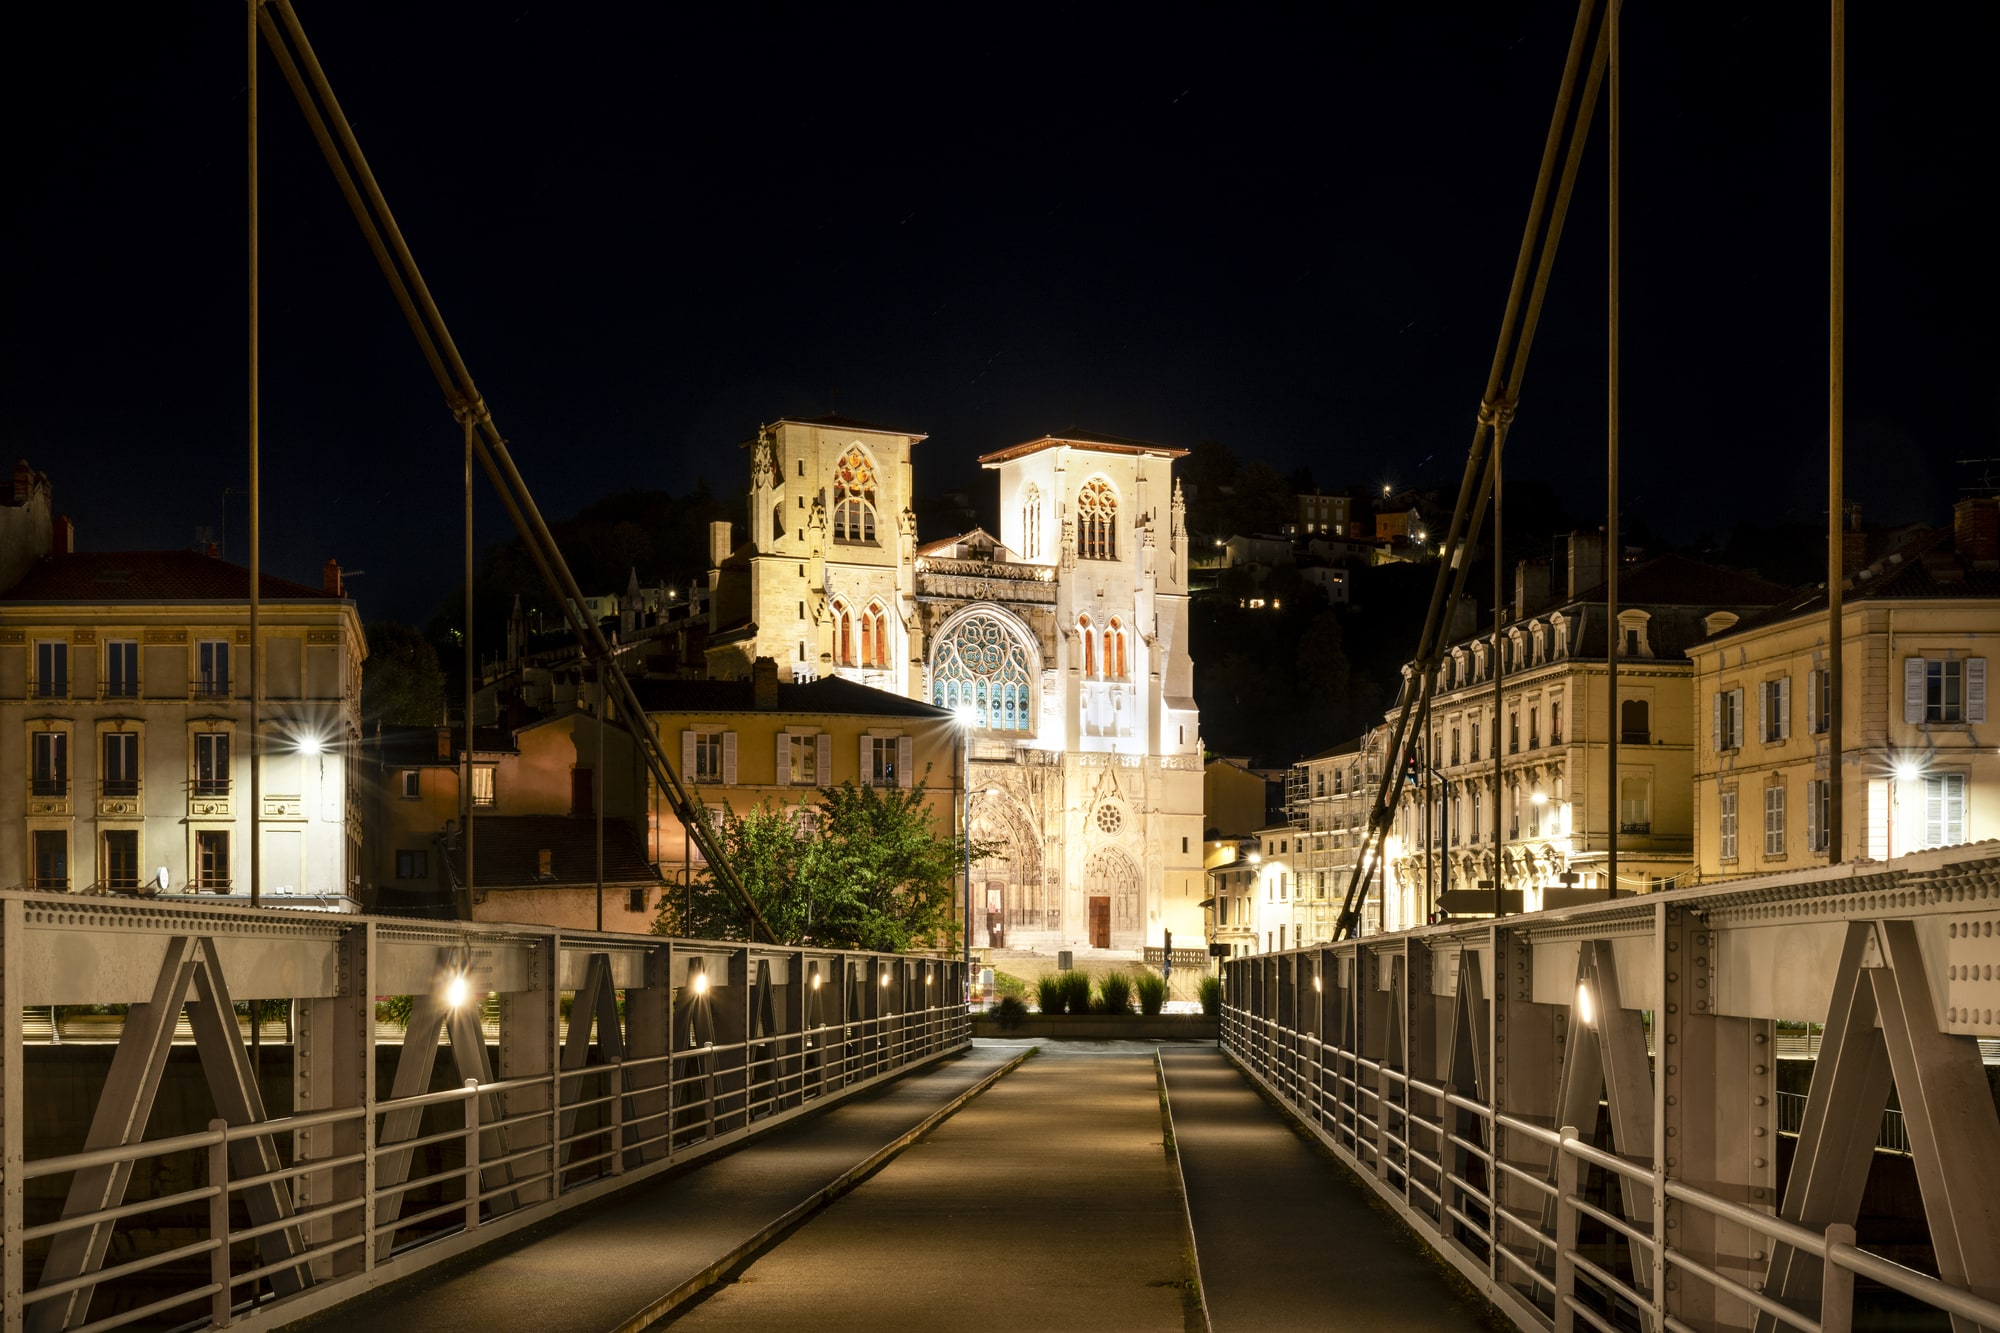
<point x="792" y="1218"/>
<point x="1180" y="1179"/>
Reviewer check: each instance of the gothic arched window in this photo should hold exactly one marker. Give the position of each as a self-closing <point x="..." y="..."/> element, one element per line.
<point x="1087" y="634"/>
<point x="1097" y="521"/>
<point x="854" y="497"/>
<point x="874" y="636"/>
<point x="1114" y="650"/>
<point x="983" y="664"/>
<point x="843" y="633"/>
<point x="1031" y="523"/>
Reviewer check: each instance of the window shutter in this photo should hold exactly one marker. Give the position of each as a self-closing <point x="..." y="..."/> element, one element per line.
<point x="1812" y="702"/>
<point x="783" y="764"/>
<point x="905" y="761"/>
<point x="1736" y="718"/>
<point x="1975" y="689"/>
<point x="823" y="766"/>
<point x="1913" y="689"/>
<point x="1715" y="722"/>
<point x="1784" y="708"/>
<point x="1812" y="815"/>
<point x="729" y="759"/>
<point x="1763" y="710"/>
<point x="687" y="756"/>
<point x="865" y="768"/>
<point x="1933" y="811"/>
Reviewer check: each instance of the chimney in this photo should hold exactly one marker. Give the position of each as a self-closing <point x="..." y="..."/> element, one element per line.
<point x="720" y="542"/>
<point x="1975" y="525"/>
<point x="63" y="536"/>
<point x="764" y="683"/>
<point x="444" y="742"/>
<point x="1531" y="587"/>
<point x="1586" y="562"/>
<point x="329" y="579"/>
<point x="24" y="482"/>
<point x="1461" y="620"/>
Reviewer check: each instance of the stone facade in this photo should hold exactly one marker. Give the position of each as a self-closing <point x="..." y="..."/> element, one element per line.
<point x="1062" y="641"/>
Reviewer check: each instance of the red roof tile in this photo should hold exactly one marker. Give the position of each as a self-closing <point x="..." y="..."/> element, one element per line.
<point x="149" y="576"/>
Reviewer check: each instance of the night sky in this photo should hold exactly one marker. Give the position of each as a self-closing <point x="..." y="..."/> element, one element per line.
<point x="650" y="228"/>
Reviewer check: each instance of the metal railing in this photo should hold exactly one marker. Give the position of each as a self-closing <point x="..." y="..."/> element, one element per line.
<point x="256" y="1221"/>
<point x="1558" y="1231"/>
<point x="1403" y="1153"/>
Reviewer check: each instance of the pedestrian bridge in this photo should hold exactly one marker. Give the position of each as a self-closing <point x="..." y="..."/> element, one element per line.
<point x="482" y="1127"/>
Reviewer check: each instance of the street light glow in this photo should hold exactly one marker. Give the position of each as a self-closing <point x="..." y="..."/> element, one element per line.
<point x="1908" y="770"/>
<point x="1583" y="1005"/>
<point x="457" y="991"/>
<point x="310" y="743"/>
<point x="967" y="715"/>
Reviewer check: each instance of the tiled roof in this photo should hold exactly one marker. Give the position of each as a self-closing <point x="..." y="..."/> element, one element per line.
<point x="1677" y="580"/>
<point x="835" y="421"/>
<point x="1925" y="568"/>
<point x="417" y="747"/>
<point x="150" y="576"/>
<point x="507" y="852"/>
<point x="1104" y="444"/>
<point x="831" y="694"/>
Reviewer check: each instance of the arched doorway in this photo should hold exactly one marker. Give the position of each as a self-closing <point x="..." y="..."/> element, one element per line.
<point x="1111" y="887"/>
<point x="1008" y="898"/>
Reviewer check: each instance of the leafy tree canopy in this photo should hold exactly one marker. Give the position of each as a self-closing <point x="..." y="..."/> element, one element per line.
<point x="852" y="868"/>
<point x="401" y="682"/>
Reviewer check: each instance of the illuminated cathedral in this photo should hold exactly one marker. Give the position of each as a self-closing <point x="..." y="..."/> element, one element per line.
<point x="1061" y="641"/>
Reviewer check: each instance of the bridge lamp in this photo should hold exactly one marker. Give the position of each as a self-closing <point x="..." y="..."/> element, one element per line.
<point x="885" y="981"/>
<point x="701" y="983"/>
<point x="1316" y="984"/>
<point x="815" y="978"/>
<point x="1585" y="1009"/>
<point x="457" y="991"/>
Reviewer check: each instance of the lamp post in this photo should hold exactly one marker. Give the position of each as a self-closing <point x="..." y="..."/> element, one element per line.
<point x="968" y="719"/>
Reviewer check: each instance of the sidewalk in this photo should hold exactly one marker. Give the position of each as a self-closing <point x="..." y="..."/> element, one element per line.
<point x="592" y="1269"/>
<point x="1048" y="1203"/>
<point x="1285" y="1237"/>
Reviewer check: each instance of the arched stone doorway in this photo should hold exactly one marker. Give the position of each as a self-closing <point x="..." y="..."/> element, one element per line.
<point x="1009" y="901"/>
<point x="1111" y="891"/>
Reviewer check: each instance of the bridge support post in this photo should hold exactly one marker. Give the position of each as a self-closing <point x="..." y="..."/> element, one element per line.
<point x="333" y="1066"/>
<point x="1714" y="1100"/>
<point x="527" y="1049"/>
<point x="13" y="1093"/>
<point x="648" y="1016"/>
<point x="1525" y="1052"/>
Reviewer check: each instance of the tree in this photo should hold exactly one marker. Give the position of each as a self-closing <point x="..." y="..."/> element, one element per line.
<point x="401" y="682"/>
<point x="857" y="868"/>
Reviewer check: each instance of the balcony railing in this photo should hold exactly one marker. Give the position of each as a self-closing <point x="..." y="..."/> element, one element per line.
<point x="47" y="786"/>
<point x="1636" y="826"/>
<point x="1635" y="736"/>
<point x="211" y="786"/>
<point x="211" y="687"/>
<point x="49" y="883"/>
<point x="121" y="689"/>
<point x="49" y="689"/>
<point x="119" y="787"/>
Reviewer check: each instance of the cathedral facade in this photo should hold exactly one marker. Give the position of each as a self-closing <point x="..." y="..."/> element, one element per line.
<point x="1062" y="642"/>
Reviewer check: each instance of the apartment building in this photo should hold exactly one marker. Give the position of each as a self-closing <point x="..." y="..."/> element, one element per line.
<point x="1919" y="765"/>
<point x="125" y="716"/>
<point x="1549" y="729"/>
<point x="1328" y="798"/>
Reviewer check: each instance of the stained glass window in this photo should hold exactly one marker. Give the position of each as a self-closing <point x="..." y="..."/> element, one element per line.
<point x="854" y="498"/>
<point x="1097" y="521"/>
<point x="982" y="663"/>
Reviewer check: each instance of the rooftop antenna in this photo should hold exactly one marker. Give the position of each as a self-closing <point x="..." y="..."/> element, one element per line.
<point x="1988" y="482"/>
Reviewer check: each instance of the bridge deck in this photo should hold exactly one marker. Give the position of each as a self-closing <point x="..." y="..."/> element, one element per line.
<point x="592" y="1270"/>
<point x="1047" y="1203"/>
<point x="1285" y="1237"/>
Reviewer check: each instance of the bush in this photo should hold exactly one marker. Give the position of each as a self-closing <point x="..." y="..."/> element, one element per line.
<point x="1114" y="994"/>
<point x="1006" y="983"/>
<point x="1050" y="994"/>
<point x="1076" y="992"/>
<point x="1152" y="988"/>
<point x="1010" y="1013"/>
<point x="1211" y="996"/>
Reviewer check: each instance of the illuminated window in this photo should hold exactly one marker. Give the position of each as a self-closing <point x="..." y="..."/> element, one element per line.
<point x="854" y="498"/>
<point x="875" y="636"/>
<point x="1031" y="523"/>
<point x="1088" y="635"/>
<point x="984" y="663"/>
<point x="1114" y="650"/>
<point x="482" y="784"/>
<point x="1097" y="521"/>
<point x="843" y="633"/>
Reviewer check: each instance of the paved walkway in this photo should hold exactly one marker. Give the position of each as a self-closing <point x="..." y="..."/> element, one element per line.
<point x="591" y="1269"/>
<point x="1047" y="1203"/>
<point x="1287" y="1239"/>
